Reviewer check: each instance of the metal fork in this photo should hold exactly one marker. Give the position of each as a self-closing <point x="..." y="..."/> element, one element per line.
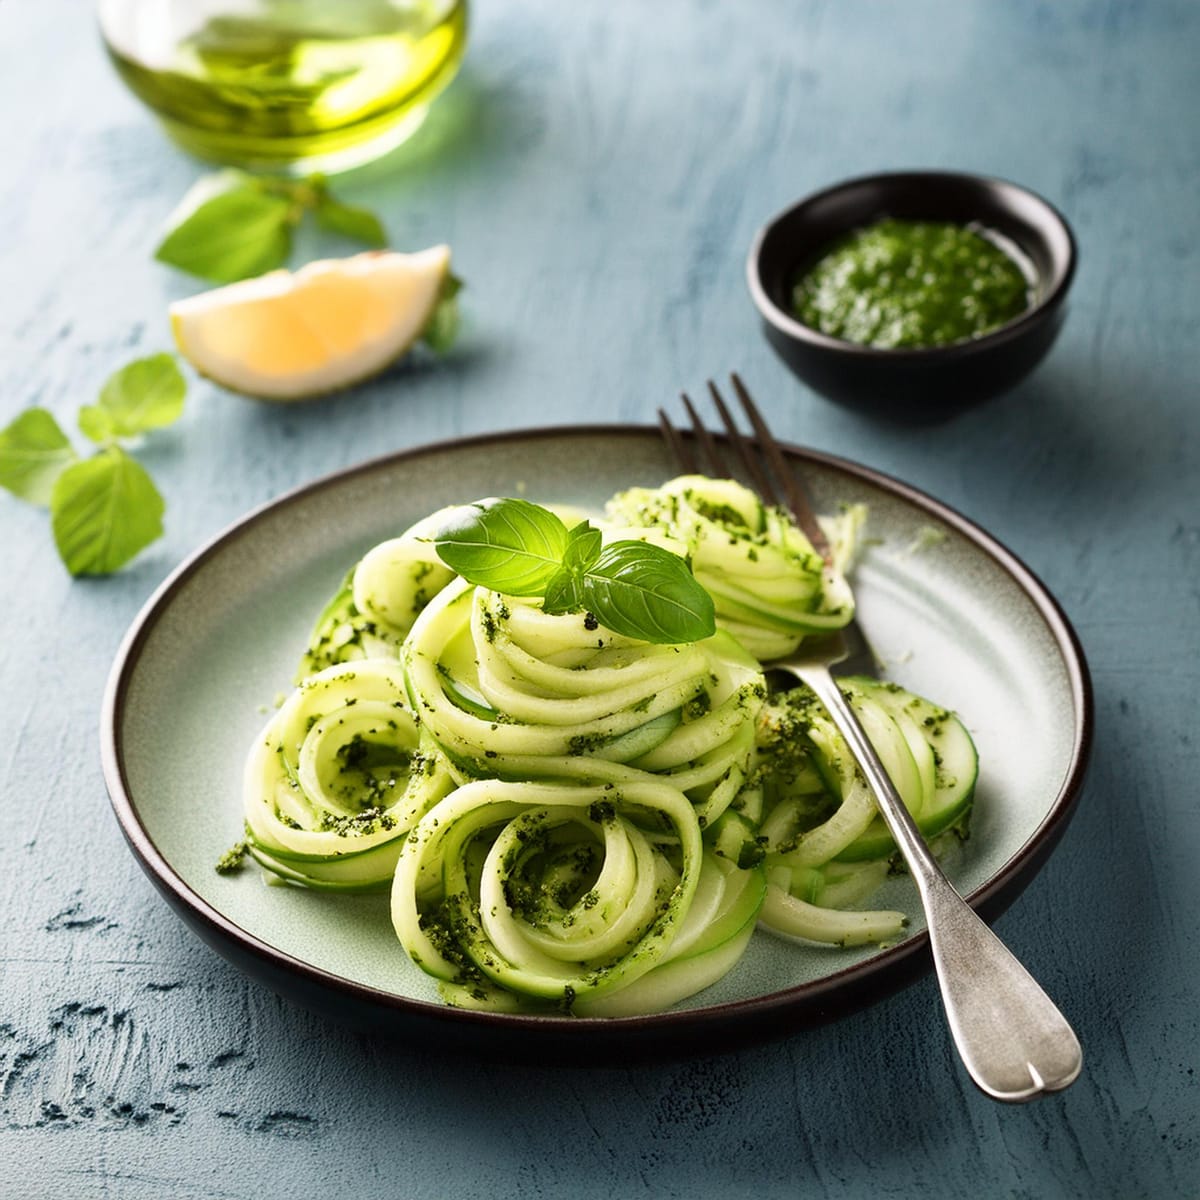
<point x="1012" y="1039"/>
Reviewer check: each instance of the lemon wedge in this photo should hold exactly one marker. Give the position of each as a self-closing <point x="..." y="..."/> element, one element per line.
<point x="293" y="335"/>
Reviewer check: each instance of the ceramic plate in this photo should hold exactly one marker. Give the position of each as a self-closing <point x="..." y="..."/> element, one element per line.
<point x="952" y="613"/>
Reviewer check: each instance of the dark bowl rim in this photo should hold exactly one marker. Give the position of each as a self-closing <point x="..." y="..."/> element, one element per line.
<point x="587" y="1037"/>
<point x="1010" y="331"/>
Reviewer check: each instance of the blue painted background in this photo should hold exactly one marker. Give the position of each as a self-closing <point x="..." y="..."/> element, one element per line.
<point x="599" y="171"/>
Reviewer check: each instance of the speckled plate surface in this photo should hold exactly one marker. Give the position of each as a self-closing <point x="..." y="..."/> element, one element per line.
<point x="952" y="613"/>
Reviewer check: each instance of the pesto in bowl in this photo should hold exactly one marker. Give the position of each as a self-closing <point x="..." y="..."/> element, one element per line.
<point x="895" y="372"/>
<point x="903" y="284"/>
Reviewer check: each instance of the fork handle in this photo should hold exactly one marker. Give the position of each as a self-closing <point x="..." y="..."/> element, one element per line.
<point x="1012" y="1039"/>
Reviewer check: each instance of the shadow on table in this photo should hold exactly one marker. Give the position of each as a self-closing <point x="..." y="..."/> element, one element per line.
<point x="478" y="120"/>
<point x="1058" y="451"/>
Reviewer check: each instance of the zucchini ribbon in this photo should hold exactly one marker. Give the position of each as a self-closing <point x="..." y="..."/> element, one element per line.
<point x="826" y="846"/>
<point x="568" y="864"/>
<point x="770" y="587"/>
<point x="338" y="777"/>
<point x="594" y="899"/>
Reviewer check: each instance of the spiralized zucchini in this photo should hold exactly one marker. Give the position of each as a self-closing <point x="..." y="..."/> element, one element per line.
<point x="507" y="690"/>
<point x="338" y="778"/>
<point x="565" y="896"/>
<point x="826" y="845"/>
<point x="770" y="587"/>
<point x="378" y="601"/>
<point x="571" y="820"/>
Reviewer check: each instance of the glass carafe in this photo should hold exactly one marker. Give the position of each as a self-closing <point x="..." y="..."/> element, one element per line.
<point x="286" y="85"/>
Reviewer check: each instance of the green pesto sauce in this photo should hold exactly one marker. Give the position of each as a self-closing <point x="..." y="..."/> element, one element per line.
<point x="906" y="284"/>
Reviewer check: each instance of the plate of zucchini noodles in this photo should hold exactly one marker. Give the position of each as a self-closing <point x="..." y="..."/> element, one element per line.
<point x="495" y="723"/>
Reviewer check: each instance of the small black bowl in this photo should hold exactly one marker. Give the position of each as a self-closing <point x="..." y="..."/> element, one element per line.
<point x="913" y="384"/>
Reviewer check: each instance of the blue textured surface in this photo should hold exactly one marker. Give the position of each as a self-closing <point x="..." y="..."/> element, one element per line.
<point x="600" y="170"/>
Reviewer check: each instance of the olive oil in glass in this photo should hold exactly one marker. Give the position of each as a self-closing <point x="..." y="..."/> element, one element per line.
<point x="286" y="85"/>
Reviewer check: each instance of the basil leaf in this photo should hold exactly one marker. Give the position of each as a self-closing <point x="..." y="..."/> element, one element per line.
<point x="441" y="330"/>
<point x="633" y="588"/>
<point x="646" y="592"/>
<point x="33" y="453"/>
<point x="510" y="546"/>
<point x="584" y="546"/>
<point x="232" y="225"/>
<point x="564" y="593"/>
<point x="233" y="234"/>
<point x="96" y="423"/>
<point x="348" y="220"/>
<point x="144" y="394"/>
<point x="103" y="511"/>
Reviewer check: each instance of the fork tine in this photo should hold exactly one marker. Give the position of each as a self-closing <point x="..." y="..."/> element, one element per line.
<point x="797" y="496"/>
<point x="762" y="481"/>
<point x="704" y="439"/>
<point x="678" y="447"/>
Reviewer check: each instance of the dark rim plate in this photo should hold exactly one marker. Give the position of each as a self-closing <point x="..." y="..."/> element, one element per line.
<point x="957" y="614"/>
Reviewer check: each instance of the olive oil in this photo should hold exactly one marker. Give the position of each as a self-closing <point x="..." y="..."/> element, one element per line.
<point x="286" y="85"/>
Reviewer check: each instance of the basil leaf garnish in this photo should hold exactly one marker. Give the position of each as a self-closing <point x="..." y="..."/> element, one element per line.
<point x="96" y="423"/>
<point x="583" y="548"/>
<point x="143" y="395"/>
<point x="509" y="546"/>
<point x="646" y="592"/>
<point x="359" y="224"/>
<point x="239" y="232"/>
<point x="34" y="451"/>
<point x="441" y="330"/>
<point x="564" y="593"/>
<point x="233" y="225"/>
<point x="103" y="511"/>
<point x="633" y="588"/>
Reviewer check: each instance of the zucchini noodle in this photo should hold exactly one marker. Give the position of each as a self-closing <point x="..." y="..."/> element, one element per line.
<point x="507" y="690"/>
<point x="770" y="587"/>
<point x="559" y="893"/>
<point x="379" y="600"/>
<point x="826" y="846"/>
<point x="338" y="778"/>
<point x="571" y="820"/>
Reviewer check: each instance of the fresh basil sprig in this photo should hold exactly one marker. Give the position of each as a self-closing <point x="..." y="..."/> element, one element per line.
<point x="510" y="546"/>
<point x="633" y="588"/>
<point x="233" y="226"/>
<point x="104" y="509"/>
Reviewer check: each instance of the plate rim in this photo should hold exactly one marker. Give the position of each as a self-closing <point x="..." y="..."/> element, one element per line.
<point x="777" y="1012"/>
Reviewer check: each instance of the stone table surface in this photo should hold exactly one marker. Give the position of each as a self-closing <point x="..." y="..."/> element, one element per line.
<point x="600" y="171"/>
